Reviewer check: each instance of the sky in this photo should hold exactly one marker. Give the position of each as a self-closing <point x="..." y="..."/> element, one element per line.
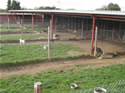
<point x="66" y="4"/>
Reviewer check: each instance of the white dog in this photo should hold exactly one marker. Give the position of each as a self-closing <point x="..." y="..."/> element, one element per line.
<point x="45" y="47"/>
<point x="22" y="41"/>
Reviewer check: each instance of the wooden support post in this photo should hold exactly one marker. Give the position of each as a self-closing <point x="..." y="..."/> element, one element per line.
<point x="75" y="26"/>
<point x="93" y="30"/>
<point x="38" y="87"/>
<point x="120" y="29"/>
<point x="49" y="51"/>
<point x="87" y="25"/>
<point x="96" y="36"/>
<point x="82" y="33"/>
<point x="68" y="22"/>
<point x="22" y="28"/>
<point x="50" y="29"/>
<point x="113" y="32"/>
<point x="32" y="22"/>
<point x="101" y="29"/>
<point x="104" y="30"/>
<point x="15" y="18"/>
<point x="8" y="22"/>
<point x="72" y="24"/>
<point x="51" y="26"/>
<point x="55" y="24"/>
<point x="42" y="20"/>
<point x="23" y="21"/>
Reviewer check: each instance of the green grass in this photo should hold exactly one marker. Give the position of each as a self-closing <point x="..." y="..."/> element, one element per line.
<point x="17" y="37"/>
<point x="35" y="29"/>
<point x="84" y="65"/>
<point x="56" y="82"/>
<point x="10" y="25"/>
<point x="11" y="30"/>
<point x="23" y="54"/>
<point x="24" y="30"/>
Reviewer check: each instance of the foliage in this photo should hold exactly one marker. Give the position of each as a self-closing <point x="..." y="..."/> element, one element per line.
<point x="47" y="7"/>
<point x="14" y="5"/>
<point x="105" y="7"/>
<point x="9" y="5"/>
<point x="23" y="54"/>
<point x="59" y="82"/>
<point x="111" y="6"/>
<point x="2" y="10"/>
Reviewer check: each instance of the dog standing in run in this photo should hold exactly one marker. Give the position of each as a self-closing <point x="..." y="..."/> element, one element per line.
<point x="22" y="41"/>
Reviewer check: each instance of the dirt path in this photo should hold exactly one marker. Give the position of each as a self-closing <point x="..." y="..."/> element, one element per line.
<point x="60" y="66"/>
<point x="69" y="64"/>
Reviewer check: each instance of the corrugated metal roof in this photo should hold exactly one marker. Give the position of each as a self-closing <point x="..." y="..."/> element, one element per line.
<point x="16" y="14"/>
<point x="115" y="13"/>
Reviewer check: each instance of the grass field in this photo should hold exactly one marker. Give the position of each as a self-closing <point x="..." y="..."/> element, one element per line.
<point x="57" y="82"/>
<point x="10" y="25"/>
<point x="24" y="30"/>
<point x="23" y="54"/>
<point x="10" y="38"/>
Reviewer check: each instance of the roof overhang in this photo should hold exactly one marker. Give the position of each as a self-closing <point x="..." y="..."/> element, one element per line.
<point x="104" y="14"/>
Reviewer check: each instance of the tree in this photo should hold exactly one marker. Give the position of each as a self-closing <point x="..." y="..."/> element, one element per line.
<point x="18" y="5"/>
<point x="111" y="6"/>
<point x="3" y="10"/>
<point x="9" y="5"/>
<point x="47" y="7"/>
<point x="15" y="5"/>
<point x="103" y="8"/>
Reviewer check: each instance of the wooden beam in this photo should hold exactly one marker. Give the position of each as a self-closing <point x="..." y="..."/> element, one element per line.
<point x="32" y="22"/>
<point x="82" y="32"/>
<point x="8" y="22"/>
<point x="49" y="51"/>
<point x="93" y="30"/>
<point x="96" y="36"/>
<point x="113" y="32"/>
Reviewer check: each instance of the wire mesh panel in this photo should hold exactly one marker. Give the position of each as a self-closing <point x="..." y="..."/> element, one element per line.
<point x="65" y="27"/>
<point x="116" y="87"/>
<point x="29" y="27"/>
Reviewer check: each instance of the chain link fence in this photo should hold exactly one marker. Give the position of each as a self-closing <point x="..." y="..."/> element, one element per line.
<point x="116" y="87"/>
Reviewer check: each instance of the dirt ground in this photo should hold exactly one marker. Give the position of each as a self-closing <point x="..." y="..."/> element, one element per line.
<point x="64" y="65"/>
<point x="83" y="63"/>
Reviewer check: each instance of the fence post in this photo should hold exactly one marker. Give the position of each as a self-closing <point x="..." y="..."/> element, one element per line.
<point x="37" y="87"/>
<point x="8" y="23"/>
<point x="49" y="54"/>
<point x="96" y="35"/>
